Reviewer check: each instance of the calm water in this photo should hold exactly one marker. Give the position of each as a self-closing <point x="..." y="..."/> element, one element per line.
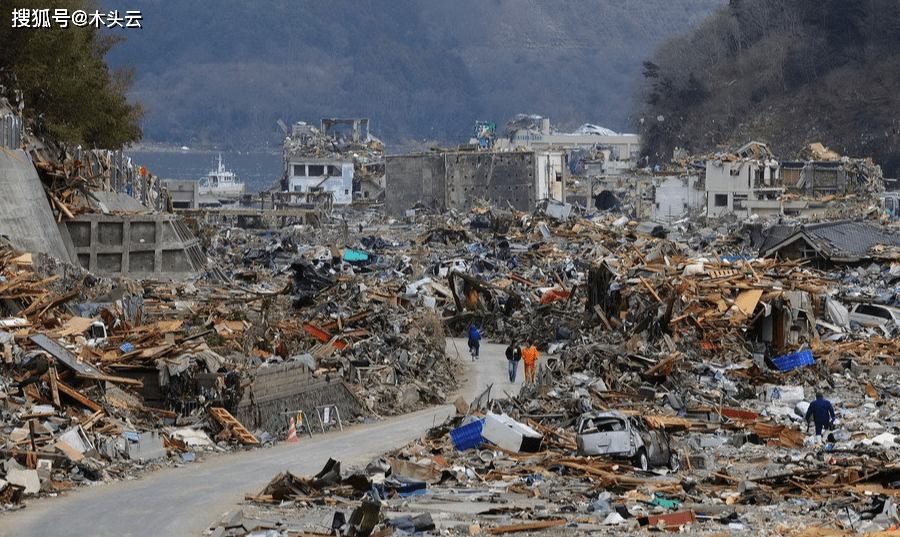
<point x="258" y="171"/>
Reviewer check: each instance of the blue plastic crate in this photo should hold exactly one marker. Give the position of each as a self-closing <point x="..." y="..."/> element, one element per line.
<point x="786" y="363"/>
<point x="468" y="436"/>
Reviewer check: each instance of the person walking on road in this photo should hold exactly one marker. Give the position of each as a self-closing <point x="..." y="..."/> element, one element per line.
<point x="530" y="357"/>
<point x="513" y="355"/>
<point x="474" y="342"/>
<point x="821" y="412"/>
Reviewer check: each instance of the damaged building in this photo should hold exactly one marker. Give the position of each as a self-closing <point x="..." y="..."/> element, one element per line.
<point x="603" y="151"/>
<point x="456" y="179"/>
<point x="339" y="159"/>
<point x="751" y="181"/>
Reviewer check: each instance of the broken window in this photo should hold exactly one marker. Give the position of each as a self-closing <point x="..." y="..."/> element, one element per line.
<point x="300" y="170"/>
<point x="316" y="170"/>
<point x="875" y="311"/>
<point x="721" y="200"/>
<point x="740" y="201"/>
<point x="610" y="426"/>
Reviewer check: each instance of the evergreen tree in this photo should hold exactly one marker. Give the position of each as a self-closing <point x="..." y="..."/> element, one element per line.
<point x="68" y="88"/>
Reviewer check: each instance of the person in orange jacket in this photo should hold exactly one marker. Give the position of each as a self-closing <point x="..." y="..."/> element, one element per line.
<point x="530" y="357"/>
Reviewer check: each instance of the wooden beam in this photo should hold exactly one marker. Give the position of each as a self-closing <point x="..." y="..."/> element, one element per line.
<point x="73" y="393"/>
<point x="652" y="292"/>
<point x="122" y="380"/>
<point x="54" y="386"/>
<point x="527" y="527"/>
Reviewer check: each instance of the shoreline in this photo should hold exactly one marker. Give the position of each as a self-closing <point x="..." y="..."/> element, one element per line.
<point x="184" y="150"/>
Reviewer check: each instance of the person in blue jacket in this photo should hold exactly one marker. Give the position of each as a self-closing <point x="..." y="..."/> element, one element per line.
<point x="822" y="412"/>
<point x="474" y="341"/>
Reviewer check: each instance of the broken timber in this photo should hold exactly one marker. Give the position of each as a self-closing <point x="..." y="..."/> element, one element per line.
<point x="231" y="424"/>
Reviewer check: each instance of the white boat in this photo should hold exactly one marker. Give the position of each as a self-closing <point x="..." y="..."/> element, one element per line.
<point x="222" y="184"/>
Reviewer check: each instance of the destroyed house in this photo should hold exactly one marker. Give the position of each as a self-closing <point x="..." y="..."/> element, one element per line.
<point x="368" y="189"/>
<point x="829" y="243"/>
<point x="454" y="180"/>
<point x="815" y="179"/>
<point x="746" y="182"/>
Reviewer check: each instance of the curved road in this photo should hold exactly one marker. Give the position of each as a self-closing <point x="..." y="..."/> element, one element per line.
<point x="186" y="501"/>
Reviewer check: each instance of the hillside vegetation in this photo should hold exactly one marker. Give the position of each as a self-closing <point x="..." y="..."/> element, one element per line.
<point x="786" y="73"/>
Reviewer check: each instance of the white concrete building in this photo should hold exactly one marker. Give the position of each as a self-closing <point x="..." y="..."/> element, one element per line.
<point x="308" y="174"/>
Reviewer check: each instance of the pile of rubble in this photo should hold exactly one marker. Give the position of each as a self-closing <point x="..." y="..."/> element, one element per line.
<point x="680" y="322"/>
<point x="724" y="351"/>
<point x="155" y="373"/>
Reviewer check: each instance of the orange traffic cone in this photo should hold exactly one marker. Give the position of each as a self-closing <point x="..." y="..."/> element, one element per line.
<point x="292" y="433"/>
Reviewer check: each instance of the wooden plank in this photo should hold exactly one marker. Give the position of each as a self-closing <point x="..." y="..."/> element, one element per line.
<point x="121" y="380"/>
<point x="166" y="413"/>
<point x="747" y="300"/>
<point x="664" y="363"/>
<point x="60" y="300"/>
<point x="73" y="393"/>
<point x="54" y="386"/>
<point x="652" y="292"/>
<point x="89" y="422"/>
<point x="526" y="527"/>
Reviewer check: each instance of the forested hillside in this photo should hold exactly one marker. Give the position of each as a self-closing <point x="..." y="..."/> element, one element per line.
<point x="786" y="73"/>
<point x="224" y="72"/>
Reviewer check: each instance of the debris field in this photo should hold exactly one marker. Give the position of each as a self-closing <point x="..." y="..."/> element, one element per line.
<point x="682" y="324"/>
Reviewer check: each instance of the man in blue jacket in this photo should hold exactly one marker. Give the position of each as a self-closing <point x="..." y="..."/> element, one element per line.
<point x="822" y="412"/>
<point x="474" y="341"/>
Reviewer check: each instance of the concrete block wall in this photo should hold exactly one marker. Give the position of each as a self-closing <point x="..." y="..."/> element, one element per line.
<point x="454" y="180"/>
<point x="495" y="176"/>
<point x="184" y="193"/>
<point x="135" y="245"/>
<point x="410" y="179"/>
<point x="277" y="391"/>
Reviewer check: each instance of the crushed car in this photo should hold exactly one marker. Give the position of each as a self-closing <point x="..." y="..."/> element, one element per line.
<point x="886" y="318"/>
<point x="618" y="435"/>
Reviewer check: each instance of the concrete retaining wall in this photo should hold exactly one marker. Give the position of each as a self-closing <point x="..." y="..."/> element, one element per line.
<point x="137" y="246"/>
<point x="25" y="215"/>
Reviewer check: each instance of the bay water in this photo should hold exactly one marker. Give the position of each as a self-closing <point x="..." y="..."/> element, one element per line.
<point x="258" y="171"/>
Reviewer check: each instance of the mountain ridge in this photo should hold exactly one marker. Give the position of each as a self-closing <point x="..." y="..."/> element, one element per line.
<point x="419" y="71"/>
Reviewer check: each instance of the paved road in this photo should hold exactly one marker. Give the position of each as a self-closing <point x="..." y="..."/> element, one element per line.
<point x="186" y="501"/>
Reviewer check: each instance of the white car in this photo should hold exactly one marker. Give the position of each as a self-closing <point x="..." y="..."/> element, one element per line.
<point x="876" y="315"/>
<point x="619" y="435"/>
